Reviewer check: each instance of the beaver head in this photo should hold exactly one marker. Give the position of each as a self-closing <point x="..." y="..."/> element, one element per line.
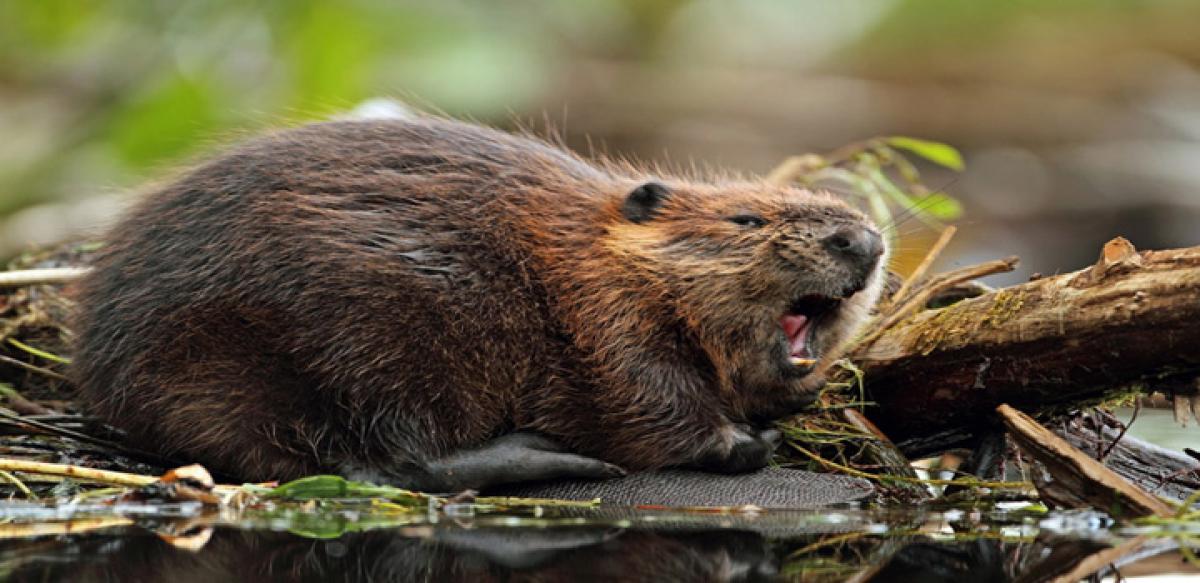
<point x="770" y="279"/>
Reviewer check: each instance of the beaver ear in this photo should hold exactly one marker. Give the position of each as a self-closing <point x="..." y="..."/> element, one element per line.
<point x="644" y="201"/>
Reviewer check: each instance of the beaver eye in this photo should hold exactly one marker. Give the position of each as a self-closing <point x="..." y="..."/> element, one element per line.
<point x="748" y="220"/>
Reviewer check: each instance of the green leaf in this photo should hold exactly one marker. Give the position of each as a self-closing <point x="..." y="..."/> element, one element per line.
<point x="326" y="487"/>
<point x="312" y="488"/>
<point x="936" y="152"/>
<point x="941" y="206"/>
<point x="904" y="199"/>
<point x="888" y="187"/>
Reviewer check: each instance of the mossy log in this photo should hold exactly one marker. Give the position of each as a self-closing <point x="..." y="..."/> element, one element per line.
<point x="1049" y="345"/>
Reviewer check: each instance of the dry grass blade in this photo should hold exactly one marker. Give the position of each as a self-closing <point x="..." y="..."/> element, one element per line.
<point x="15" y="481"/>
<point x="49" y="275"/>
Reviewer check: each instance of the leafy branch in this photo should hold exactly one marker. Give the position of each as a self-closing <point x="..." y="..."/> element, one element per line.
<point x="880" y="172"/>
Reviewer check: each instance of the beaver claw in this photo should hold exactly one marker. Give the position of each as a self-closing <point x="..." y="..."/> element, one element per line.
<point x="750" y="451"/>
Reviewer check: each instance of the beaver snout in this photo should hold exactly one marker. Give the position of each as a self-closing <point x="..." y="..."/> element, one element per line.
<point x="858" y="247"/>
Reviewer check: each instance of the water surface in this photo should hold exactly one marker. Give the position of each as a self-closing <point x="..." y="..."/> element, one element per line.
<point x="362" y="542"/>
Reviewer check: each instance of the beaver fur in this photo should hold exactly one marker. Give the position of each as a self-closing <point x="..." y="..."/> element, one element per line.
<point x="383" y="293"/>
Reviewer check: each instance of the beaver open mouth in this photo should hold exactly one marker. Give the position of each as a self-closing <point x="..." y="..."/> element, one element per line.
<point x="800" y="323"/>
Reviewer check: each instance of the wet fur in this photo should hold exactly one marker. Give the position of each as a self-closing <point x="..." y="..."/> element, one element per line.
<point x="385" y="292"/>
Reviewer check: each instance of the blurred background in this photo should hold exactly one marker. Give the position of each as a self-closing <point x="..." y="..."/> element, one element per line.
<point x="1079" y="119"/>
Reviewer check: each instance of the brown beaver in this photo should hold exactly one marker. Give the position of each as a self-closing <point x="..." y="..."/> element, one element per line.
<point x="440" y="305"/>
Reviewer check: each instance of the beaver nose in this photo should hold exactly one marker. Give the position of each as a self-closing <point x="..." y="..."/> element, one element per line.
<point x="859" y="246"/>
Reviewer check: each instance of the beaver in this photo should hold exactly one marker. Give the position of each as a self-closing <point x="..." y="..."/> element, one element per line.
<point x="441" y="305"/>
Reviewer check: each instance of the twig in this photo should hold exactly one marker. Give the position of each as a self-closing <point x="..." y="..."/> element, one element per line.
<point x="1137" y="406"/>
<point x="949" y="280"/>
<point x="33" y="368"/>
<point x="926" y="263"/>
<point x="19" y="403"/>
<point x="48" y="275"/>
<point x="794" y="167"/>
<point x="936" y="285"/>
<point x="85" y="438"/>
<point x="81" y="473"/>
<point x="124" y="479"/>
<point x="1173" y="475"/>
<point x="969" y="483"/>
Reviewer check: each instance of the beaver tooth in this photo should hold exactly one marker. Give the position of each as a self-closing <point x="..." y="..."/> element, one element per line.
<point x="797" y="361"/>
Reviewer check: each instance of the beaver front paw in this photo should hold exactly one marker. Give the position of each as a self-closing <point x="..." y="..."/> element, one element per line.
<point x="792" y="401"/>
<point x="750" y="450"/>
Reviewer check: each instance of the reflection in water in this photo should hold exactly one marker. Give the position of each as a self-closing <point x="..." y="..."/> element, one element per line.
<point x="567" y="545"/>
<point x="462" y="555"/>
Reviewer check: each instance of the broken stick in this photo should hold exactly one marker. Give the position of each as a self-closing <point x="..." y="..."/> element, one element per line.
<point x="1077" y="480"/>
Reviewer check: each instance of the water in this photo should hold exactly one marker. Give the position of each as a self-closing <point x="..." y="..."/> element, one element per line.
<point x="358" y="542"/>
<point x="1159" y="426"/>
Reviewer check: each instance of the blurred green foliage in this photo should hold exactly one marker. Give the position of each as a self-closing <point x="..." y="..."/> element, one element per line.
<point x="100" y="94"/>
<point x="116" y="89"/>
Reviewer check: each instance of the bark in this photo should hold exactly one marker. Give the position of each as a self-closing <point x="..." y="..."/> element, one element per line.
<point x="1046" y="346"/>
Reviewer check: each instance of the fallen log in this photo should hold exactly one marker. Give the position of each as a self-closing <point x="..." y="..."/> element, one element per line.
<point x="1075" y="480"/>
<point x="1155" y="469"/>
<point x="1047" y="346"/>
